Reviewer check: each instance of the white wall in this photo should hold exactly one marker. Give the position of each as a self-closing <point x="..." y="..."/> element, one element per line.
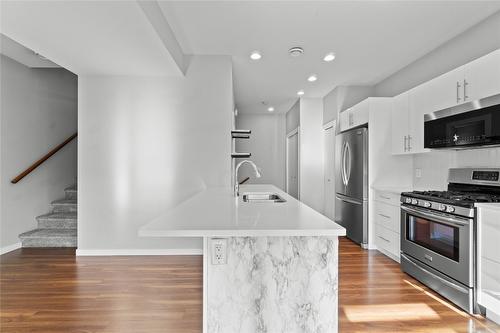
<point x="341" y="98"/>
<point x="146" y="144"/>
<point x="38" y="112"/>
<point x="435" y="164"/>
<point x="267" y="145"/>
<point x="311" y="153"/>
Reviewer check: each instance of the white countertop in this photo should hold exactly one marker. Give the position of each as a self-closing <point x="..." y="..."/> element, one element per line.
<point x="488" y="205"/>
<point x="216" y="212"/>
<point x="392" y="189"/>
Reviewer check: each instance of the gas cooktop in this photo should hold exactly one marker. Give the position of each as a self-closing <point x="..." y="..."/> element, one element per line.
<point x="459" y="198"/>
<point x="466" y="187"/>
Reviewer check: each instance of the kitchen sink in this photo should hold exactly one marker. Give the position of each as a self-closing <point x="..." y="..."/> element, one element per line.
<point x="262" y="197"/>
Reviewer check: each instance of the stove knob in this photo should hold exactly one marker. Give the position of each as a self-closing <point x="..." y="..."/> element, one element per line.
<point x="442" y="207"/>
<point x="427" y="204"/>
<point x="408" y="200"/>
<point x="414" y="201"/>
<point x="450" y="209"/>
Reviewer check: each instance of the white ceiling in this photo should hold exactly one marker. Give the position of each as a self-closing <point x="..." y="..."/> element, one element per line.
<point x="25" y="56"/>
<point x="89" y="37"/>
<point x="372" y="40"/>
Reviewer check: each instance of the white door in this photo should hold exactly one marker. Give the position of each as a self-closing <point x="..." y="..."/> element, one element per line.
<point x="329" y="158"/>
<point x="292" y="164"/>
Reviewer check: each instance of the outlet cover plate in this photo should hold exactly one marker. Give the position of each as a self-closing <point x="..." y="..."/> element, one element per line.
<point x="218" y="251"/>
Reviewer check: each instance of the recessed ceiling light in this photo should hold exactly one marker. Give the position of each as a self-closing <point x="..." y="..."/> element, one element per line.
<point x="300" y="92"/>
<point x="255" y="55"/>
<point x="270" y="109"/>
<point x="329" y="57"/>
<point x="312" y="78"/>
<point x="296" y="51"/>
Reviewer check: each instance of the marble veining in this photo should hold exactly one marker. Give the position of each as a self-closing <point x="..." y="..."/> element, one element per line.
<point x="275" y="284"/>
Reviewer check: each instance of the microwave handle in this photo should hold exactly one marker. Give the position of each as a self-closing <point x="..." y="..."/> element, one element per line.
<point x="449" y="220"/>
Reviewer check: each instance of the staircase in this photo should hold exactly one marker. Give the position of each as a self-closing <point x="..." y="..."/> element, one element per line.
<point x="58" y="228"/>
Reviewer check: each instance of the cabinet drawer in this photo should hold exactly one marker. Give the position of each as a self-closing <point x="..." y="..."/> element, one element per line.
<point x="387" y="240"/>
<point x="388" y="197"/>
<point x="490" y="234"/>
<point x="387" y="216"/>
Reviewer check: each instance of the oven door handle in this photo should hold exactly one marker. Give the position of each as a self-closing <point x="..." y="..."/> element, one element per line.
<point x="449" y="220"/>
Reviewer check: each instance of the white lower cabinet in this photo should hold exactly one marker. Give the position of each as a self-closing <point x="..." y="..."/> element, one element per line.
<point x="488" y="259"/>
<point x="387" y="224"/>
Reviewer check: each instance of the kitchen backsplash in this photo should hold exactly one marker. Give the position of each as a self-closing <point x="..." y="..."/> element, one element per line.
<point x="435" y="164"/>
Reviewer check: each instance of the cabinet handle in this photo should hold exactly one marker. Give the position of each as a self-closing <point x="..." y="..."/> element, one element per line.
<point x="384" y="239"/>
<point x="386" y="216"/>
<point x="405" y="142"/>
<point x="458" y="92"/>
<point x="384" y="197"/>
<point x="465" y="90"/>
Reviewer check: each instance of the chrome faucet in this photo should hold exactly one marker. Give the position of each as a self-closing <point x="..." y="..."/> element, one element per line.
<point x="236" y="183"/>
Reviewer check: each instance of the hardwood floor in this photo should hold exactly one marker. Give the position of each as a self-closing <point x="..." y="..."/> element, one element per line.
<point x="51" y="290"/>
<point x="375" y="296"/>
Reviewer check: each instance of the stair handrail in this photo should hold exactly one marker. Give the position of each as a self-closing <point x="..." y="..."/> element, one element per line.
<point x="43" y="159"/>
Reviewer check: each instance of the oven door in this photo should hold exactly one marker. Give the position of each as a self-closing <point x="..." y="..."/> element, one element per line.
<point x="439" y="240"/>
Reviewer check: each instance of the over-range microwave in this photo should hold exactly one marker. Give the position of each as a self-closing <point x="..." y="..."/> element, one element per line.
<point x="467" y="125"/>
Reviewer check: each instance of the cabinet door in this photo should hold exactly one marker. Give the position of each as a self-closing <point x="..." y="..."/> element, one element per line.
<point x="400" y="119"/>
<point x="488" y="258"/>
<point x="482" y="77"/>
<point x="443" y="92"/>
<point x="344" y="120"/>
<point x="360" y="113"/>
<point x="418" y="107"/>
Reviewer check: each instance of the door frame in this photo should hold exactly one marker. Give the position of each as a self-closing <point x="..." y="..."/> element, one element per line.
<point x="293" y="132"/>
<point x="333" y="126"/>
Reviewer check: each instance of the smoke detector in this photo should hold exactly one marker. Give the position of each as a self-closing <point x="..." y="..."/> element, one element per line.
<point x="296" y="51"/>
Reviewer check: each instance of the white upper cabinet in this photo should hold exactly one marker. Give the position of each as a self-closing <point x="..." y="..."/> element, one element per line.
<point x="344" y="120"/>
<point x="482" y="77"/>
<point x="418" y="106"/>
<point x="475" y="80"/>
<point x="408" y="111"/>
<point x="355" y="116"/>
<point x="442" y="92"/>
<point x="400" y="124"/>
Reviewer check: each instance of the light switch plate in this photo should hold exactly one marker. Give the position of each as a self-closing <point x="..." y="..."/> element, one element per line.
<point x="418" y="173"/>
<point x="218" y="247"/>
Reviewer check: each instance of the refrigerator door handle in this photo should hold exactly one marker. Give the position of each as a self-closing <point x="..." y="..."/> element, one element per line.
<point x="342" y="169"/>
<point x="349" y="163"/>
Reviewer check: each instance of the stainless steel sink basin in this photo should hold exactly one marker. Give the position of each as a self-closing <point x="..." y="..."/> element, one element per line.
<point x="262" y="197"/>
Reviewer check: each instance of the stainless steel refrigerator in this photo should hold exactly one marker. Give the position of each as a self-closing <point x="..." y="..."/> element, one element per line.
<point x="351" y="184"/>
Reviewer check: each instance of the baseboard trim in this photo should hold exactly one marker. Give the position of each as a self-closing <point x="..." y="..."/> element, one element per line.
<point x="10" y="248"/>
<point x="139" y="252"/>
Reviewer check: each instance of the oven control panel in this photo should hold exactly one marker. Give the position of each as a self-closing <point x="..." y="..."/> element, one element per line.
<point x="490" y="176"/>
<point x="441" y="207"/>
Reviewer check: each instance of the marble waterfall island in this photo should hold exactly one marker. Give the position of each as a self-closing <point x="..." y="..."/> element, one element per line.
<point x="268" y="267"/>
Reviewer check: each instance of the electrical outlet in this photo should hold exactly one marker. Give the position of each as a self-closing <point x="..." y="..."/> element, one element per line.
<point x="418" y="173"/>
<point x="219" y="251"/>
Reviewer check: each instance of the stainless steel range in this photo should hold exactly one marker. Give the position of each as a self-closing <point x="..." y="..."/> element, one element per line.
<point x="438" y="233"/>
